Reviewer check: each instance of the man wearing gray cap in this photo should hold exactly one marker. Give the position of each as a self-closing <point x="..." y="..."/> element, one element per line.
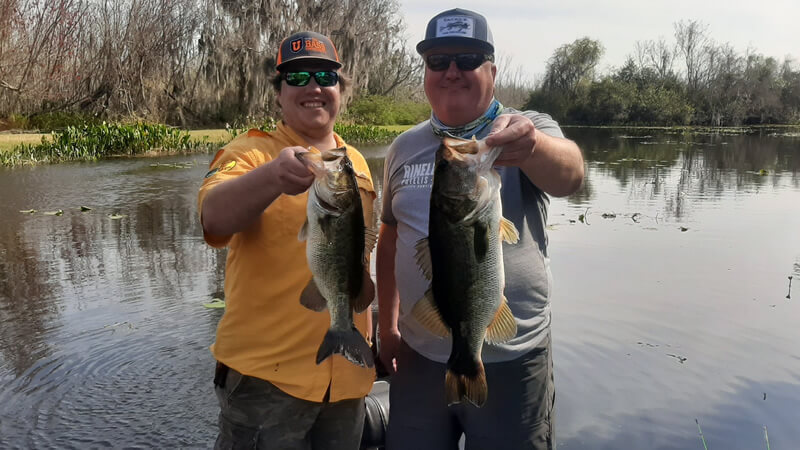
<point x="536" y="161"/>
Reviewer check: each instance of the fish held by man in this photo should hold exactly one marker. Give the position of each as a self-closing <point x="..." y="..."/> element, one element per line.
<point x="463" y="258"/>
<point x="338" y="243"/>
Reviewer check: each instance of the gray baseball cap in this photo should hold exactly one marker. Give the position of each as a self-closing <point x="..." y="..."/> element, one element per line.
<point x="457" y="27"/>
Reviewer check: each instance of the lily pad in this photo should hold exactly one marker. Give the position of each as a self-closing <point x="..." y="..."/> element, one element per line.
<point x="116" y="216"/>
<point x="54" y="213"/>
<point x="215" y="303"/>
<point x="27" y="211"/>
<point x="85" y="208"/>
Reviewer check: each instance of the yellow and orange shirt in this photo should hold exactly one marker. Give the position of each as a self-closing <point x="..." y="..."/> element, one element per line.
<point x="265" y="332"/>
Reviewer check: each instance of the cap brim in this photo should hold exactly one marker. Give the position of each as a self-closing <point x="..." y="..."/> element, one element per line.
<point x="335" y="64"/>
<point x="453" y="41"/>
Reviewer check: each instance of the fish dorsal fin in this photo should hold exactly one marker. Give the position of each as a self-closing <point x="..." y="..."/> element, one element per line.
<point x="427" y="314"/>
<point x="303" y="234"/>
<point x="424" y="258"/>
<point x="312" y="298"/>
<point x="503" y="327"/>
<point x="366" y="295"/>
<point x="370" y="238"/>
<point x="508" y="232"/>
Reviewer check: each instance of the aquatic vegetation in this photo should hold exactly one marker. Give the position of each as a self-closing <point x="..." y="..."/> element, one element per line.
<point x="351" y="133"/>
<point x="94" y="141"/>
<point x="702" y="438"/>
<point x="364" y="134"/>
<point x="215" y="303"/>
<point x="249" y="123"/>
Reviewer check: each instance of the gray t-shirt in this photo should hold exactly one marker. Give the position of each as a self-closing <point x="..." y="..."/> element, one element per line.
<point x="408" y="178"/>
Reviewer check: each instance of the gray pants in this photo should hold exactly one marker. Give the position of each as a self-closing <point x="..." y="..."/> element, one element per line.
<point x="517" y="415"/>
<point x="254" y="414"/>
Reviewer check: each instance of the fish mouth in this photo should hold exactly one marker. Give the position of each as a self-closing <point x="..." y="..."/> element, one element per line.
<point x="463" y="146"/>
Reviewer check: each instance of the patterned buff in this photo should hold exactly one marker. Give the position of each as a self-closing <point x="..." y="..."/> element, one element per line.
<point x="471" y="129"/>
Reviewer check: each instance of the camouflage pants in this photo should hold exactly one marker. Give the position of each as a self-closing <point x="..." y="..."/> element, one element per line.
<point x="254" y="414"/>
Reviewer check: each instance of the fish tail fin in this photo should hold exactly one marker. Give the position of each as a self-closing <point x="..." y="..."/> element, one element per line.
<point x="472" y="388"/>
<point x="348" y="343"/>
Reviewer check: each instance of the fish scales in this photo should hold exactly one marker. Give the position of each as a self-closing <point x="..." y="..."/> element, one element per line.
<point x="336" y="248"/>
<point x="464" y="246"/>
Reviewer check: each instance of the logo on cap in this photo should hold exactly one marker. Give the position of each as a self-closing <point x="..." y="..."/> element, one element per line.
<point x="310" y="44"/>
<point x="315" y="45"/>
<point x="455" y="26"/>
<point x="297" y="45"/>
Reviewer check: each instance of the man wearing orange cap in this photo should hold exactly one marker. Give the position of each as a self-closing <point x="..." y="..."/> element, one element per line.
<point x="271" y="391"/>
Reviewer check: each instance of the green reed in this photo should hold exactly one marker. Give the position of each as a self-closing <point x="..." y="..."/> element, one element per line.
<point x="94" y="141"/>
<point x="351" y="133"/>
<point x="364" y="134"/>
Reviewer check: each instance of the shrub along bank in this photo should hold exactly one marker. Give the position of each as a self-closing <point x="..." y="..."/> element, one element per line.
<point x="92" y="141"/>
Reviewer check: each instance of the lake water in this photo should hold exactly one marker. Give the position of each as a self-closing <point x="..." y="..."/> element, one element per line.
<point x="672" y="298"/>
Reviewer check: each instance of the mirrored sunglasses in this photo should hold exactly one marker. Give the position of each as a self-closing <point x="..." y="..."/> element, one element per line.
<point x="464" y="61"/>
<point x="325" y="78"/>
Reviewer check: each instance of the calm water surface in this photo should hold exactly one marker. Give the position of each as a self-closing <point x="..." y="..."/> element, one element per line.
<point x="672" y="298"/>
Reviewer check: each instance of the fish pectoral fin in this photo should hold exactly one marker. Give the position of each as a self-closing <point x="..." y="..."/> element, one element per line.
<point x="508" y="232"/>
<point x="424" y="258"/>
<point x="427" y="314"/>
<point x="503" y="327"/>
<point x="312" y="298"/>
<point x="367" y="294"/>
<point x="303" y="234"/>
<point x="370" y="238"/>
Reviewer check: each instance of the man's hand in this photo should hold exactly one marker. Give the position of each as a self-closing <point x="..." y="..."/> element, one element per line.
<point x="291" y="176"/>
<point x="516" y="135"/>
<point x="389" y="346"/>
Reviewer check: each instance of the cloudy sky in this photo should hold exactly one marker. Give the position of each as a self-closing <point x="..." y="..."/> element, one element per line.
<point x="530" y="30"/>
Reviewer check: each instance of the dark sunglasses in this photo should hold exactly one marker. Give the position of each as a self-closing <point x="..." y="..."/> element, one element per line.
<point x="325" y="78"/>
<point x="464" y="61"/>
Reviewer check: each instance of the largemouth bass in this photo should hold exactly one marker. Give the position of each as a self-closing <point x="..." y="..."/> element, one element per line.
<point x="338" y="243"/>
<point x="463" y="258"/>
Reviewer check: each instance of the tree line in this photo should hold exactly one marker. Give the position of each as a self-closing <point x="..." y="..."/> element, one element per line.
<point x="693" y="81"/>
<point x="209" y="62"/>
<point x="184" y="62"/>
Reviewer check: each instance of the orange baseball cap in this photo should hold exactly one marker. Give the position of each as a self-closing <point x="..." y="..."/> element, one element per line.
<point x="307" y="45"/>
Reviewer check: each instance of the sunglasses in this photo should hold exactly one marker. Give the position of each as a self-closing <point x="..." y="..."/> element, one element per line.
<point x="325" y="78"/>
<point x="464" y="61"/>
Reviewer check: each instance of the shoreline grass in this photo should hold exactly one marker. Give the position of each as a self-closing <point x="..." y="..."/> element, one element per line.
<point x="19" y="147"/>
<point x="94" y="141"/>
<point x="8" y="141"/>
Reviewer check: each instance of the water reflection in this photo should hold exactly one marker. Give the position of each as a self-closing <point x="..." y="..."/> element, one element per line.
<point x="102" y="319"/>
<point x="676" y="168"/>
<point x="25" y="290"/>
<point x="103" y="337"/>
